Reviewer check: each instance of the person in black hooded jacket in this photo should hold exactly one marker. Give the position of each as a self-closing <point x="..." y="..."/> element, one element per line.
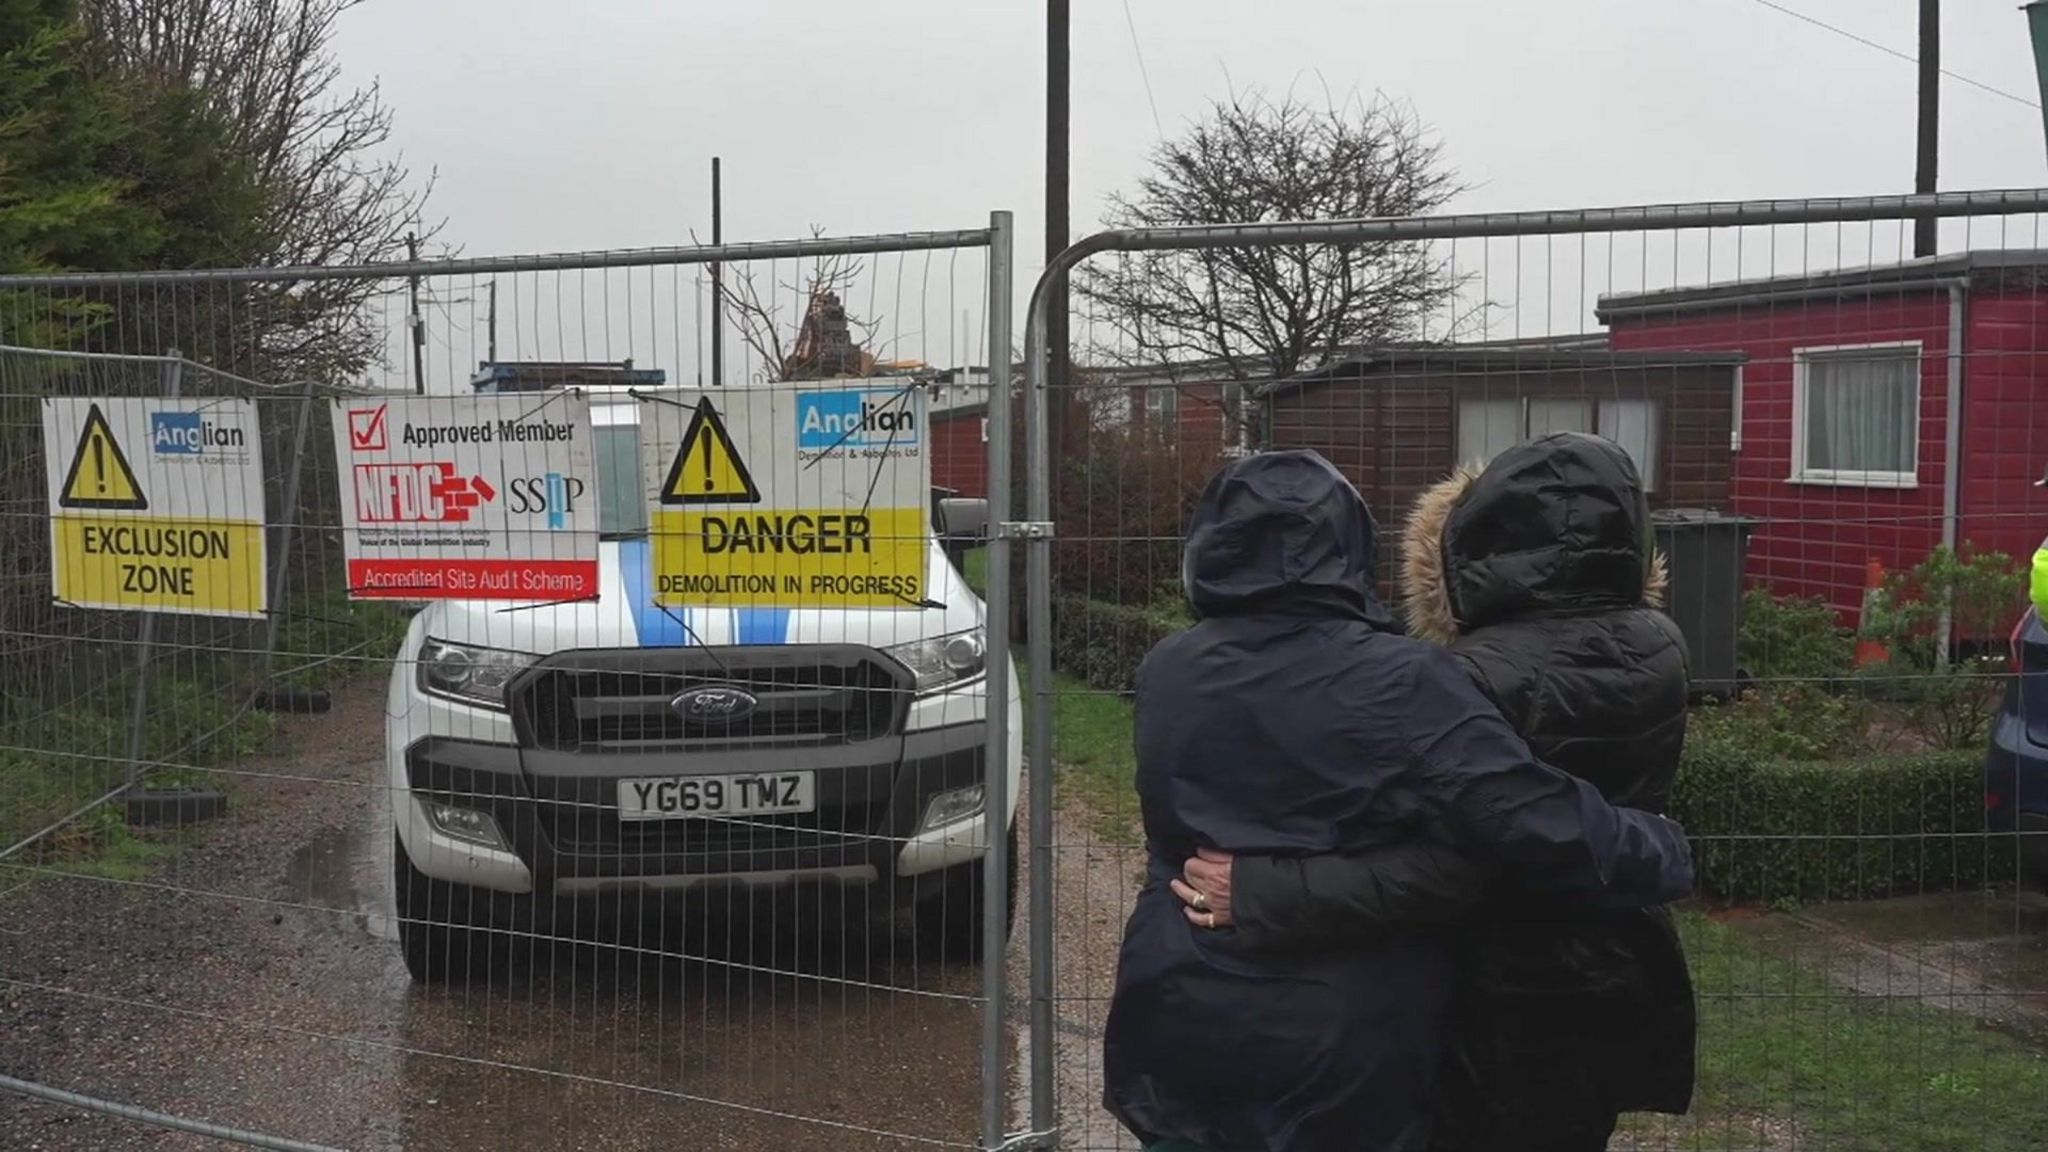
<point x="1293" y="720"/>
<point x="1539" y="575"/>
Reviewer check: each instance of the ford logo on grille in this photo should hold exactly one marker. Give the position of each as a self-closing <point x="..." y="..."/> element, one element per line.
<point x="715" y="705"/>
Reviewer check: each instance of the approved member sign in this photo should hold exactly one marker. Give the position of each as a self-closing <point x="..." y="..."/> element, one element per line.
<point x="156" y="505"/>
<point x="802" y="495"/>
<point x="468" y="497"/>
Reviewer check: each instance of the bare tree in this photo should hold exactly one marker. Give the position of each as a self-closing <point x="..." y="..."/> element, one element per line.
<point x="803" y="330"/>
<point x="265" y="69"/>
<point x="1250" y="314"/>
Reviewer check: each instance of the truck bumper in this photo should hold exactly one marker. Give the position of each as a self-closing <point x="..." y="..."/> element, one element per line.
<point x="561" y="836"/>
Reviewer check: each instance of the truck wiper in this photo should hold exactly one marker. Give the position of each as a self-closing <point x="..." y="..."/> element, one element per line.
<point x="927" y="602"/>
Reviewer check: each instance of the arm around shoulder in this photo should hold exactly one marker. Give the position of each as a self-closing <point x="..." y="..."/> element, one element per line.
<point x="1474" y="776"/>
<point x="1283" y="902"/>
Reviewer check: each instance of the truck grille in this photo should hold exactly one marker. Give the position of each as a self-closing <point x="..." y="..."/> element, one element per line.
<point x="625" y="700"/>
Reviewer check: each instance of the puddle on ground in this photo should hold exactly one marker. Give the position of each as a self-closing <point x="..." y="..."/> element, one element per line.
<point x="1978" y="955"/>
<point x="342" y="868"/>
<point x="1942" y="917"/>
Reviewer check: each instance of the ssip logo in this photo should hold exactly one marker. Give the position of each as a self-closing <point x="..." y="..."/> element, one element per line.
<point x="855" y="418"/>
<point x="553" y="495"/>
<point x="191" y="434"/>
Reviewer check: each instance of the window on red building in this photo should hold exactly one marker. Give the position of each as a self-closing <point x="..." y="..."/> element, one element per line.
<point x="1856" y="415"/>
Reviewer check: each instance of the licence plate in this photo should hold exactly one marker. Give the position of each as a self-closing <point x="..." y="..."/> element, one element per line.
<point x="749" y="794"/>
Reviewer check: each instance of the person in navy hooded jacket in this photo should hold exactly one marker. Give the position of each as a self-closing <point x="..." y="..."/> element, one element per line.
<point x="1295" y="720"/>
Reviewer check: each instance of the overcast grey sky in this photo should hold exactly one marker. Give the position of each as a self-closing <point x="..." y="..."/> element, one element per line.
<point x="561" y="126"/>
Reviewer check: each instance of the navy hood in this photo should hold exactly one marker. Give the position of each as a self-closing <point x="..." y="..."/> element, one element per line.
<point x="1282" y="534"/>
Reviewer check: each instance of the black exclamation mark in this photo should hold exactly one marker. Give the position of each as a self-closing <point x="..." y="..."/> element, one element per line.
<point x="99" y="461"/>
<point x="709" y="483"/>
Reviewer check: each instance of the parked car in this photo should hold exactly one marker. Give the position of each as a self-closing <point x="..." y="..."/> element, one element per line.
<point x="2016" y="767"/>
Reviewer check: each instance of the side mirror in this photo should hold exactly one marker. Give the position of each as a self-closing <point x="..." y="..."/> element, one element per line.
<point x="963" y="527"/>
<point x="964" y="521"/>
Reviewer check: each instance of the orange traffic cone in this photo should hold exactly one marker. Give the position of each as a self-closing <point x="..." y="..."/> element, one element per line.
<point x="1870" y="651"/>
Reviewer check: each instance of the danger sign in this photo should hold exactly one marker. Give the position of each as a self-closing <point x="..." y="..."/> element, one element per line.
<point x="809" y="495"/>
<point x="156" y="505"/>
<point x="708" y="468"/>
<point x="468" y="497"/>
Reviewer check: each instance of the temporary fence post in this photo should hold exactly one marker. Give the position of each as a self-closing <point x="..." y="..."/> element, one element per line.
<point x="1038" y="736"/>
<point x="996" y="770"/>
<point x="287" y="530"/>
<point x="145" y="629"/>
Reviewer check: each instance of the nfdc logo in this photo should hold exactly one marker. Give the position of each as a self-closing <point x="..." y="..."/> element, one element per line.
<point x="426" y="493"/>
<point x="855" y="419"/>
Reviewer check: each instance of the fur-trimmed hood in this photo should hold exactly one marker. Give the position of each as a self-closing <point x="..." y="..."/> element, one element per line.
<point x="1557" y="525"/>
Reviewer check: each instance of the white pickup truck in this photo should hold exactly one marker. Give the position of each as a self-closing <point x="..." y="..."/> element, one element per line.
<point x="557" y="768"/>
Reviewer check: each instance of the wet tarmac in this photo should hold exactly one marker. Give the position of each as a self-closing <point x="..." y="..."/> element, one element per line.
<point x="253" y="980"/>
<point x="1982" y="955"/>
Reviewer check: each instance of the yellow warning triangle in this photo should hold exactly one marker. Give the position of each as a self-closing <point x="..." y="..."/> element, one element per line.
<point x="100" y="476"/>
<point x="708" y="468"/>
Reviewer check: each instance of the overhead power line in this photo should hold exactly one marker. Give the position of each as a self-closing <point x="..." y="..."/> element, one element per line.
<point x="1890" y="51"/>
<point x="1138" y="50"/>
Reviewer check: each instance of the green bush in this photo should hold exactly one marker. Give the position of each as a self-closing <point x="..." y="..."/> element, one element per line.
<point x="1122" y="504"/>
<point x="1945" y="702"/>
<point x="1770" y="830"/>
<point x="1796" y="721"/>
<point x="1791" y="638"/>
<point x="1980" y="591"/>
<point x="1102" y="644"/>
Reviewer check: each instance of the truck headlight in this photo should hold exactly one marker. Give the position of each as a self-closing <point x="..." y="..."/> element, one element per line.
<point x="943" y="660"/>
<point x="469" y="674"/>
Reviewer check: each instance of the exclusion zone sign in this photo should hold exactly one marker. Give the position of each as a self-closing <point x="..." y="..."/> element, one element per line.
<point x="814" y="495"/>
<point x="468" y="497"/>
<point x="156" y="505"/>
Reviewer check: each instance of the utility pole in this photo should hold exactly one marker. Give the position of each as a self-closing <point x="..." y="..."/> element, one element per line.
<point x="419" y="323"/>
<point x="491" y="331"/>
<point x="1930" y="120"/>
<point x="717" y="285"/>
<point x="1059" y="397"/>
<point x="2037" y="31"/>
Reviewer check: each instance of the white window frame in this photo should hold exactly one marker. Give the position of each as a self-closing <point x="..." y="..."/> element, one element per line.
<point x="1466" y="460"/>
<point x="1852" y="478"/>
<point x="1653" y="428"/>
<point x="1735" y="417"/>
<point x="1162" y="400"/>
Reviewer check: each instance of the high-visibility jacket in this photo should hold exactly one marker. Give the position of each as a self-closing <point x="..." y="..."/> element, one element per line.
<point x="2037" y="581"/>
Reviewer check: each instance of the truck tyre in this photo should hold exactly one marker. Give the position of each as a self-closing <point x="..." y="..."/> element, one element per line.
<point x="435" y="919"/>
<point x="949" y="924"/>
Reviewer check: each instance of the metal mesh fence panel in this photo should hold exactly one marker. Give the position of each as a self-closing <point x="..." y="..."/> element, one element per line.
<point x="1843" y="450"/>
<point x="458" y="789"/>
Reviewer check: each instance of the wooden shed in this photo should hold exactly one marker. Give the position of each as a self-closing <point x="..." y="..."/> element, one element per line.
<point x="1399" y="419"/>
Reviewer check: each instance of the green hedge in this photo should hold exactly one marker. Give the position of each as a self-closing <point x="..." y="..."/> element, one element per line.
<point x="1103" y="643"/>
<point x="1779" y="830"/>
<point x="1764" y="828"/>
